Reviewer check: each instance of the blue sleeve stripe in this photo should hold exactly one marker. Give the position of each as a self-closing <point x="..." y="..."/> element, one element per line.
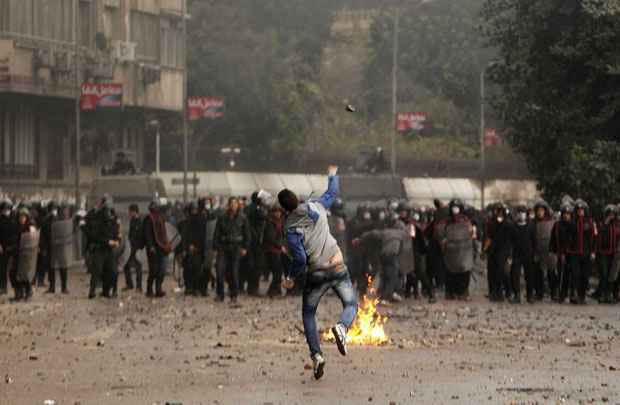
<point x="298" y="252"/>
<point x="333" y="189"/>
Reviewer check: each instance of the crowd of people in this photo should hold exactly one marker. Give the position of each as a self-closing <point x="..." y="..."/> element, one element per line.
<point x="413" y="252"/>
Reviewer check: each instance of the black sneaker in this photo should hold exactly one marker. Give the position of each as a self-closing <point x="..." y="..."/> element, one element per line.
<point x="340" y="334"/>
<point x="318" y="363"/>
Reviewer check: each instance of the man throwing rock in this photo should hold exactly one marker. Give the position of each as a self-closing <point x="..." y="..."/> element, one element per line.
<point x="312" y="246"/>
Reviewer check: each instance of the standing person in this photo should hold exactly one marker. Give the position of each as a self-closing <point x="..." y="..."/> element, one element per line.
<point x="457" y="247"/>
<point x="194" y="238"/>
<point x="359" y="258"/>
<point x="102" y="236"/>
<point x="545" y="263"/>
<point x="56" y="225"/>
<point x="390" y="242"/>
<point x="524" y="242"/>
<point x="253" y="262"/>
<point x="230" y="240"/>
<point x="274" y="246"/>
<point x="558" y="245"/>
<point x="136" y="242"/>
<point x="581" y="251"/>
<point x="420" y="250"/>
<point x="311" y="245"/>
<point x="435" y="265"/>
<point x="8" y="242"/>
<point x="498" y="249"/>
<point x="157" y="248"/>
<point x="606" y="248"/>
<point x="23" y="259"/>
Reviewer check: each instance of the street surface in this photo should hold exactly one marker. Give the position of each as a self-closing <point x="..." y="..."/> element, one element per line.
<point x="135" y="350"/>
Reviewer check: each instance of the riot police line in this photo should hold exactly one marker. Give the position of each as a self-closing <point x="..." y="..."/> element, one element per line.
<point x="230" y="245"/>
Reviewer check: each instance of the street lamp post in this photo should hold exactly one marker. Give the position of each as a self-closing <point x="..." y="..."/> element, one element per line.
<point x="185" y="124"/>
<point x="78" y="92"/>
<point x="482" y="133"/>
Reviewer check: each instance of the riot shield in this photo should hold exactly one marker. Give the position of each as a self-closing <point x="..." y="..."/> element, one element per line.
<point x="458" y="253"/>
<point x="406" y="258"/>
<point x="27" y="255"/>
<point x="62" y="237"/>
<point x="543" y="237"/>
<point x="174" y="237"/>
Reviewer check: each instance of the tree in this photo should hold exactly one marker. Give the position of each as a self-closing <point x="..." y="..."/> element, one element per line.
<point x="560" y="90"/>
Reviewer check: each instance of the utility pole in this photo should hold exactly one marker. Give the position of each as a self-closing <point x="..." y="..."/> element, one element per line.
<point x="185" y="125"/>
<point x="394" y="89"/>
<point x="482" y="133"/>
<point x="78" y="92"/>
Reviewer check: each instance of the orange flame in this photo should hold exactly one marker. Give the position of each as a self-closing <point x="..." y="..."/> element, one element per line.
<point x="368" y="328"/>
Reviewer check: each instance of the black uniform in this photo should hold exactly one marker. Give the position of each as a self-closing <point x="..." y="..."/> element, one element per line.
<point x="232" y="233"/>
<point x="136" y="241"/>
<point x="580" y="251"/>
<point x="523" y="245"/>
<point x="194" y="239"/>
<point x="559" y="243"/>
<point x="8" y="241"/>
<point x="359" y="258"/>
<point x="101" y="228"/>
<point x="499" y="233"/>
<point x="607" y="243"/>
<point x="253" y="263"/>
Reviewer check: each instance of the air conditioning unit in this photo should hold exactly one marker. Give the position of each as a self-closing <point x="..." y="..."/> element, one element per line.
<point x="124" y="51"/>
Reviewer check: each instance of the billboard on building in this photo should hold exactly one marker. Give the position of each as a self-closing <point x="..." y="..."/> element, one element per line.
<point x="205" y="107"/>
<point x="101" y="95"/>
<point x="410" y="121"/>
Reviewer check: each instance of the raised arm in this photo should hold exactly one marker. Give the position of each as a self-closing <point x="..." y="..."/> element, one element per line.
<point x="333" y="188"/>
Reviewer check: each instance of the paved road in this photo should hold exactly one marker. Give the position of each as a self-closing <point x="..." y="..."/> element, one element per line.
<point x="193" y="351"/>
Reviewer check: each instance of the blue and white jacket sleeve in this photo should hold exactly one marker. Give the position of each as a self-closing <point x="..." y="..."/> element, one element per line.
<point x="333" y="189"/>
<point x="297" y="251"/>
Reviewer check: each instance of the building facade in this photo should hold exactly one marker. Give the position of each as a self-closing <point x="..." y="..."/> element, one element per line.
<point x="136" y="43"/>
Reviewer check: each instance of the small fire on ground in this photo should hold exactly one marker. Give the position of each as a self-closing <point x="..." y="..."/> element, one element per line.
<point x="368" y="328"/>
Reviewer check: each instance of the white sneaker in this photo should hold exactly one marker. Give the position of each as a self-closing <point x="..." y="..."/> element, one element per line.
<point x="340" y="334"/>
<point x="318" y="365"/>
<point x="396" y="297"/>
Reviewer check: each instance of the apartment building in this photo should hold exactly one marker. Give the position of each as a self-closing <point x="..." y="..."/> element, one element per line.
<point x="135" y="43"/>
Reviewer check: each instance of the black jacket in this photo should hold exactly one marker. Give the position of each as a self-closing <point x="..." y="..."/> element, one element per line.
<point x="9" y="234"/>
<point x="136" y="233"/>
<point x="195" y="232"/>
<point x="524" y="240"/>
<point x="231" y="232"/>
<point x="101" y="227"/>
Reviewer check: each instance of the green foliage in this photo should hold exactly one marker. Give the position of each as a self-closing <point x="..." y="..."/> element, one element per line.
<point x="560" y="96"/>
<point x="440" y="58"/>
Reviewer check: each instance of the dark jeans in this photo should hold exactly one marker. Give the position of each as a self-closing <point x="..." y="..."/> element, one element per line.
<point x="605" y="262"/>
<point x="42" y="267"/>
<point x="457" y="284"/>
<point x="580" y="267"/>
<point x="193" y="272"/>
<point x="274" y="264"/>
<point x="436" y="267"/>
<point x="389" y="284"/>
<point x="499" y="282"/>
<point x="133" y="263"/>
<point x="52" y="279"/>
<point x="251" y="269"/>
<point x="317" y="284"/>
<point x="532" y="280"/>
<point x="420" y="274"/>
<point x="4" y="272"/>
<point x="227" y="268"/>
<point x="157" y="271"/>
<point x="101" y="264"/>
<point x="564" y="271"/>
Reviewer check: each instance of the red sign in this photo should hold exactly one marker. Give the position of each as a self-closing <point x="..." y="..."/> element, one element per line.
<point x="101" y="95"/>
<point x="205" y="107"/>
<point x="411" y="121"/>
<point x="491" y="138"/>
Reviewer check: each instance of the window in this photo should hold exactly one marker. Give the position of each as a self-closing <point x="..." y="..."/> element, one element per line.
<point x="85" y="24"/>
<point x="112" y="24"/>
<point x="18" y="17"/>
<point x="53" y="19"/>
<point x="145" y="32"/>
<point x="17" y="142"/>
<point x="171" y="41"/>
